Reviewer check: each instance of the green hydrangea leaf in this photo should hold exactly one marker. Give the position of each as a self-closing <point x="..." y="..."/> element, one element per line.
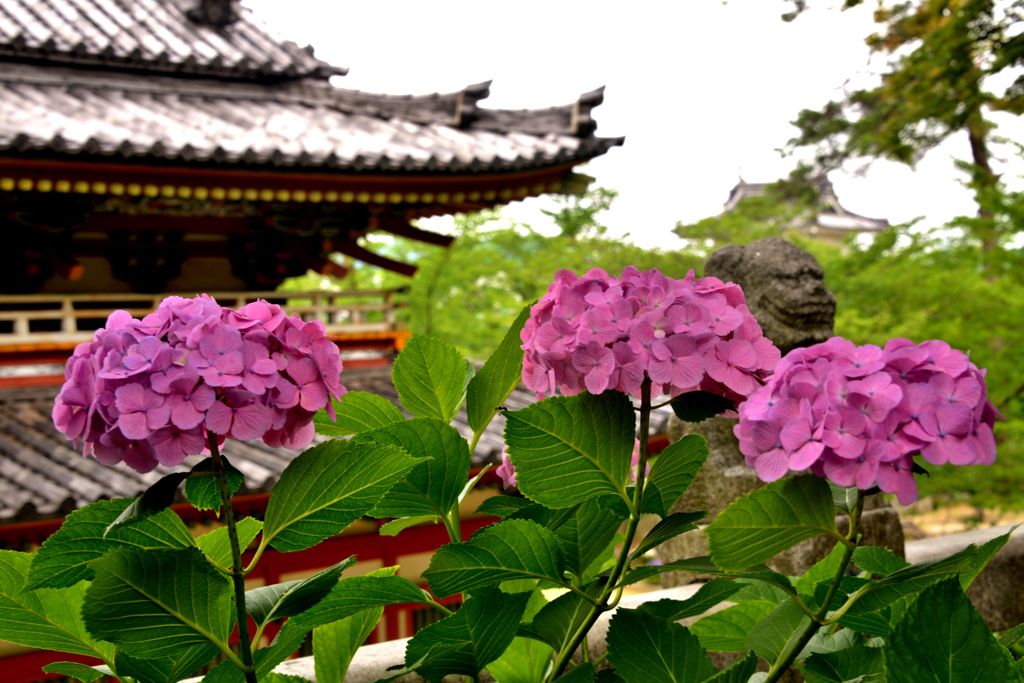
<point x="740" y="671"/>
<point x="670" y="527"/>
<point x="216" y="544"/>
<point x="498" y="377"/>
<point x="185" y="662"/>
<point x="281" y="600"/>
<point x="646" y="649"/>
<point x="585" y="535"/>
<point x="357" y="412"/>
<point x="524" y="661"/>
<point x="824" y="570"/>
<point x="203" y="492"/>
<point x="46" y="619"/>
<point x="878" y="561"/>
<point x="762" y="524"/>
<point x="707" y="596"/>
<point x="154" y="499"/>
<point x="328" y="487"/>
<point x="704" y="565"/>
<point x="581" y="673"/>
<point x="673" y="472"/>
<point x="942" y="639"/>
<point x="503" y="506"/>
<point x="910" y="580"/>
<point x="727" y="630"/>
<point x="397" y="526"/>
<point x="433" y="486"/>
<point x="431" y="377"/>
<point x="81" y="672"/>
<point x="512" y="549"/>
<point x="846" y="665"/>
<point x="335" y="643"/>
<point x="569" y="449"/>
<point x="349" y="596"/>
<point x="133" y="603"/>
<point x="64" y="557"/>
<point x="557" y="622"/>
<point x="770" y="636"/>
<point x="470" y="639"/>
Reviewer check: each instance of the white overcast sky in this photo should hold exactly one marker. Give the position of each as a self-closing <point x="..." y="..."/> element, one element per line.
<point x="703" y="90"/>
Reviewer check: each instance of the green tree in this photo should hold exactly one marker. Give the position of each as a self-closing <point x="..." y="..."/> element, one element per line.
<point x="939" y="53"/>
<point x="577" y="214"/>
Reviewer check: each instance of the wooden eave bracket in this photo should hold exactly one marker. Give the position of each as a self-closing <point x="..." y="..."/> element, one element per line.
<point x="402" y="228"/>
<point x="365" y="255"/>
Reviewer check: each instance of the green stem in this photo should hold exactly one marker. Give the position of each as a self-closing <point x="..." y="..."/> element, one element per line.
<point x="237" y="571"/>
<point x="790" y="653"/>
<point x="453" y="524"/>
<point x="602" y="603"/>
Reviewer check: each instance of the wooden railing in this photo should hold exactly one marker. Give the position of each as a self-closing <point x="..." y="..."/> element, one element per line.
<point x="58" y="319"/>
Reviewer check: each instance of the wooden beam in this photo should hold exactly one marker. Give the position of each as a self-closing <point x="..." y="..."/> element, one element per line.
<point x="163" y="223"/>
<point x="355" y="251"/>
<point x="401" y="227"/>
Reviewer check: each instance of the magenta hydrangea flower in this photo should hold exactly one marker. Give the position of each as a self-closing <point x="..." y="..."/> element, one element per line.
<point x="859" y="415"/>
<point x="600" y="333"/>
<point x="148" y="392"/>
<point x="506" y="470"/>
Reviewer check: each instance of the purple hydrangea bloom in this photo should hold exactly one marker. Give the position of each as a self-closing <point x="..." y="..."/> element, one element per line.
<point x="599" y="333"/>
<point x="859" y="415"/>
<point x="148" y="392"/>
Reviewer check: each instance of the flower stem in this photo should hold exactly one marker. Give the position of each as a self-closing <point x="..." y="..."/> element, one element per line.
<point x="790" y="653"/>
<point x="621" y="565"/>
<point x="237" y="571"/>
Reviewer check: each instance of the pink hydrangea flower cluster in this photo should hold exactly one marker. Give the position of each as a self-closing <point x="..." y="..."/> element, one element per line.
<point x="148" y="391"/>
<point x="857" y="415"/>
<point x="595" y="333"/>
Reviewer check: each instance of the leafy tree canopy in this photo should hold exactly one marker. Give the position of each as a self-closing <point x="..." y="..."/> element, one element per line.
<point x="941" y="57"/>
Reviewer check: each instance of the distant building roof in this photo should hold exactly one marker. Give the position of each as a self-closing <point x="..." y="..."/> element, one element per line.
<point x="831" y="217"/>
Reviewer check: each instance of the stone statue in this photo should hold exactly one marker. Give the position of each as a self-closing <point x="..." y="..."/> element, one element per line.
<point x="785" y="290"/>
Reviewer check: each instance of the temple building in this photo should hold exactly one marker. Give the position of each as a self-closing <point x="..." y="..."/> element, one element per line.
<point x="830" y="222"/>
<point x="179" y="146"/>
<point x="150" y="147"/>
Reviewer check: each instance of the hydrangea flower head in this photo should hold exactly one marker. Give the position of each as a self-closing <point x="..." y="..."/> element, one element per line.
<point x="150" y="391"/>
<point x="600" y="333"/>
<point x="859" y="415"/>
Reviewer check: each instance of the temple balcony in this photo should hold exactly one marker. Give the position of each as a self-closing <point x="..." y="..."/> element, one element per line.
<point x="39" y="331"/>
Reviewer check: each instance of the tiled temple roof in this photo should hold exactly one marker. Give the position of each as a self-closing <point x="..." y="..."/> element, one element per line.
<point x="150" y="80"/>
<point x="151" y="36"/>
<point x="302" y="124"/>
<point x="42" y="476"/>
